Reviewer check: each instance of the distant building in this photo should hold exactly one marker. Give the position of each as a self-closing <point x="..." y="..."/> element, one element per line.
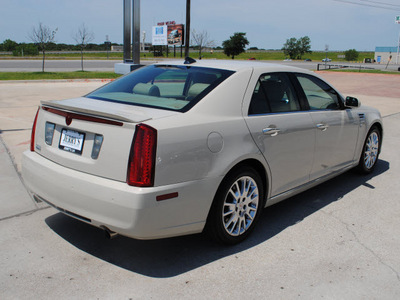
<point x="382" y="54"/>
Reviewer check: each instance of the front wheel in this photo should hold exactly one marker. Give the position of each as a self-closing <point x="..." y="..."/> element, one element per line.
<point x="236" y="207"/>
<point x="370" y="152"/>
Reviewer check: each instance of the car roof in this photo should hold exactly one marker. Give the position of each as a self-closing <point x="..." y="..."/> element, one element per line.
<point x="237" y="65"/>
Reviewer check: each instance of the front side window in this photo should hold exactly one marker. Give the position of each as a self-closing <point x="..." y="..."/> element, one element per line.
<point x="163" y="86"/>
<point x="319" y="94"/>
<point x="273" y="94"/>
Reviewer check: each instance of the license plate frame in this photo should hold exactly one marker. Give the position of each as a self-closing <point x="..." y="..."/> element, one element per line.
<point x="72" y="141"/>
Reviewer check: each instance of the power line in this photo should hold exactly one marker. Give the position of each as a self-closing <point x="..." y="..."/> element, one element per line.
<point x="371" y="5"/>
<point x="383" y="3"/>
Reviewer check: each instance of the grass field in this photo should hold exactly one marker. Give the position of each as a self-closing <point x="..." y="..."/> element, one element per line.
<point x="57" y="75"/>
<point x="258" y="55"/>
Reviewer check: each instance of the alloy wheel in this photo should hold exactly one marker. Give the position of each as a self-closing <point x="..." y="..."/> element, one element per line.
<point x="240" y="206"/>
<point x="371" y="150"/>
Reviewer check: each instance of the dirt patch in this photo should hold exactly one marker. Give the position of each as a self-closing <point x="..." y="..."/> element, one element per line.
<point x="384" y="85"/>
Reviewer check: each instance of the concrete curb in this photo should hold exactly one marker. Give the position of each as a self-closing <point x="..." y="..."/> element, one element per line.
<point x="14" y="199"/>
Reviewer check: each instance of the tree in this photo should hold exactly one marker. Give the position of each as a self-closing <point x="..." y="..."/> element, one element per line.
<point x="82" y="37"/>
<point x="291" y="48"/>
<point x="26" y="49"/>
<point x="351" y="54"/>
<point x="42" y="36"/>
<point x="9" y="45"/>
<point x="235" y="45"/>
<point x="305" y="45"/>
<point x="296" y="48"/>
<point x="201" y="40"/>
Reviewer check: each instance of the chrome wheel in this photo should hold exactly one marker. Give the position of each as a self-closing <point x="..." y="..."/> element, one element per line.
<point x="371" y="150"/>
<point x="240" y="206"/>
<point x="370" y="153"/>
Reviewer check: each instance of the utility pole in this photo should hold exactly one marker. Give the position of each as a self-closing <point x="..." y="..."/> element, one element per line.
<point x="187" y="33"/>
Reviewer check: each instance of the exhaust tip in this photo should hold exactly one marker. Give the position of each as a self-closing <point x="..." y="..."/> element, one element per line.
<point x="108" y="233"/>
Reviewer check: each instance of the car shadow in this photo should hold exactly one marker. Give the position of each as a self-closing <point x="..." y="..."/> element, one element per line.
<point x="174" y="256"/>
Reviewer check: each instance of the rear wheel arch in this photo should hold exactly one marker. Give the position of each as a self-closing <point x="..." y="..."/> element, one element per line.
<point x="257" y="166"/>
<point x="244" y="168"/>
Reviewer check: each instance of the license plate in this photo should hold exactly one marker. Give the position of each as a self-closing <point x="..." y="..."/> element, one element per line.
<point x="72" y="141"/>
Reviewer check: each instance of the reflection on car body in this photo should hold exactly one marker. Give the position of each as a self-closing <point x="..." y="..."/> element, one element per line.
<point x="178" y="148"/>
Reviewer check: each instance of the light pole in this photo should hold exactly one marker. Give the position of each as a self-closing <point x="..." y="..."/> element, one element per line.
<point x="398" y="42"/>
<point x="326" y="54"/>
<point x="136" y="32"/>
<point x="132" y="14"/>
<point x="187" y="35"/>
<point x="127" y="30"/>
<point x="144" y="38"/>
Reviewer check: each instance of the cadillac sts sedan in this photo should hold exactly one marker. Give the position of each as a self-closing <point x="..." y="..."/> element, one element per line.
<point x="180" y="148"/>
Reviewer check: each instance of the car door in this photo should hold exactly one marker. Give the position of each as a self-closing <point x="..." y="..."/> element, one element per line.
<point x="282" y="130"/>
<point x="336" y="127"/>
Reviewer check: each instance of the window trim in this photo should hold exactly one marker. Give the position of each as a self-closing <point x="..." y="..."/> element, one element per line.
<point x="294" y="85"/>
<point x="303" y="95"/>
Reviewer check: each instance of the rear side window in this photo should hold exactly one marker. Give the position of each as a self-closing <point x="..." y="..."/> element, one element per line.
<point x="319" y="95"/>
<point x="163" y="86"/>
<point x="273" y="94"/>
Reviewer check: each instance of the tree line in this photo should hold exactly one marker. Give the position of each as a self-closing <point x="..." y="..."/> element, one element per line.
<point x="43" y="39"/>
<point x="17" y="49"/>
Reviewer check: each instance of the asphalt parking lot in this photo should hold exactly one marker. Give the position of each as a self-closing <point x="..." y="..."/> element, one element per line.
<point x="339" y="240"/>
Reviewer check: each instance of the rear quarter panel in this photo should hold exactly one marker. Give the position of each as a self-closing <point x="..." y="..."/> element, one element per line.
<point x="208" y="140"/>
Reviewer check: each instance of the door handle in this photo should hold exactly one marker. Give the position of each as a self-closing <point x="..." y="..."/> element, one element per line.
<point x="272" y="131"/>
<point x="322" y="126"/>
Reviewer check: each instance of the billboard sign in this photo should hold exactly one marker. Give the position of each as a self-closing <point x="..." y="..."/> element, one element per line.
<point x="159" y="35"/>
<point x="175" y="34"/>
<point x="170" y="34"/>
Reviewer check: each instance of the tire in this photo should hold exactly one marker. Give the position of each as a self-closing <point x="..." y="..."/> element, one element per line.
<point x="370" y="151"/>
<point x="237" y="206"/>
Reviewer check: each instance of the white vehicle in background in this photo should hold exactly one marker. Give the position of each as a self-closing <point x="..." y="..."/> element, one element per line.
<point x="177" y="148"/>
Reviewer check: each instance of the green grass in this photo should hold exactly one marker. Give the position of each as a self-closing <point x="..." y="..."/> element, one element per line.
<point x="263" y="55"/>
<point x="57" y="75"/>
<point x="271" y="55"/>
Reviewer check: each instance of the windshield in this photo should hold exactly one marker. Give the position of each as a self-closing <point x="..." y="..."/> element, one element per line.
<point x="169" y="87"/>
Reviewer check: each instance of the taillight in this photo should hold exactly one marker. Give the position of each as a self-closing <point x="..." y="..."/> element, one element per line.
<point x="34" y="131"/>
<point x="142" y="157"/>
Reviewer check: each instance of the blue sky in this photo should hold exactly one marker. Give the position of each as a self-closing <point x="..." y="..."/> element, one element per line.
<point x="341" y="24"/>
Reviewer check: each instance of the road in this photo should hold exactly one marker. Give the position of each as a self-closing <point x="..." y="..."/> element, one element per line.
<point x="339" y="240"/>
<point x="108" y="65"/>
<point x="56" y="65"/>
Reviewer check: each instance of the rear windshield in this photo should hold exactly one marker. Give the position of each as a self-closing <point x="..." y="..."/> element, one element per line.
<point x="175" y="88"/>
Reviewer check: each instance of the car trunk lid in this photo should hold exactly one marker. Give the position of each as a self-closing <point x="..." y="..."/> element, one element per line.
<point x="89" y="135"/>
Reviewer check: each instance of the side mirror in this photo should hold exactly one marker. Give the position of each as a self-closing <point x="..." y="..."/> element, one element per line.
<point x="352" y="102"/>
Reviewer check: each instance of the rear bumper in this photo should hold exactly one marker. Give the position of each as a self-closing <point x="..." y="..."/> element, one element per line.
<point x="127" y="210"/>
